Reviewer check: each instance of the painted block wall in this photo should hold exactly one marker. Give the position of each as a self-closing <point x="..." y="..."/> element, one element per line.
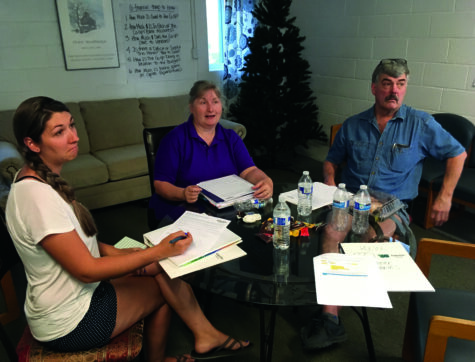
<point x="31" y="59"/>
<point x="346" y="39"/>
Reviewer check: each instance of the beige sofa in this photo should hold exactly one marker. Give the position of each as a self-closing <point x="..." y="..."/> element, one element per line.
<point x="111" y="167"/>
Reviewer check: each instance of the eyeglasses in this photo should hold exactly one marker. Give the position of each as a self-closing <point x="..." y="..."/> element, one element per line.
<point x="393" y="61"/>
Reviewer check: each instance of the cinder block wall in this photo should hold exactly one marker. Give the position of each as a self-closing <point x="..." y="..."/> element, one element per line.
<point x="31" y="58"/>
<point x="345" y="39"/>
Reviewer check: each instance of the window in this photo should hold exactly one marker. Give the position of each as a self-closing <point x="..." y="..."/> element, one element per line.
<point x="215" y="20"/>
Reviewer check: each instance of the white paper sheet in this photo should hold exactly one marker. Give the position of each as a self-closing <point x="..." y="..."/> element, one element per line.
<point x="127" y="242"/>
<point x="399" y="271"/>
<point x="348" y="280"/>
<point x="206" y="231"/>
<point x="228" y="253"/>
<point x="322" y="195"/>
<point x="228" y="187"/>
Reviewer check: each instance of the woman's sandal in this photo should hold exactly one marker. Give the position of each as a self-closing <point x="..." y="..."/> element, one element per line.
<point x="183" y="358"/>
<point x="224" y="350"/>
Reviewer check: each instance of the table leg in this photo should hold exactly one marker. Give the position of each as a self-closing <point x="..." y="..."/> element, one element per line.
<point x="367" y="332"/>
<point x="267" y="333"/>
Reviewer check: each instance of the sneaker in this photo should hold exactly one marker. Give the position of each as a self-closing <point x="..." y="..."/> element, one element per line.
<point x="321" y="332"/>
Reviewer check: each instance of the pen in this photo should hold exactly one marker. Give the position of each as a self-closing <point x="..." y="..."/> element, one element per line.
<point x="178" y="238"/>
<point x="399" y="145"/>
<point x="340" y="249"/>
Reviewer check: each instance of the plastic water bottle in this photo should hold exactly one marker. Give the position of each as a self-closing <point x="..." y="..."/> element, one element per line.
<point x="340" y="208"/>
<point x="361" y="210"/>
<point x="250" y="204"/>
<point x="281" y="238"/>
<point x="305" y="192"/>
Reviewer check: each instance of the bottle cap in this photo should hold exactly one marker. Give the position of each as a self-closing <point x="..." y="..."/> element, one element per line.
<point x="363" y="187"/>
<point x="305" y="173"/>
<point x="341" y="185"/>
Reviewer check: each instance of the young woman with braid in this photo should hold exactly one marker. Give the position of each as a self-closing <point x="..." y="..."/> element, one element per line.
<point x="81" y="292"/>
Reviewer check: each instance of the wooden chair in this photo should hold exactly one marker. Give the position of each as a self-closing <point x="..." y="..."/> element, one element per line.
<point x="124" y="347"/>
<point x="434" y="318"/>
<point x="333" y="131"/>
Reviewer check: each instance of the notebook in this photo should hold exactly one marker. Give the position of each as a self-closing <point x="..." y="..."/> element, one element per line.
<point x="225" y="191"/>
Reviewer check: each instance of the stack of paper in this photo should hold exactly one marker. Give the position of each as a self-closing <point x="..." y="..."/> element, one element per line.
<point x="400" y="272"/>
<point x="227" y="253"/>
<point x="212" y="243"/>
<point x="348" y="280"/>
<point x="225" y="191"/>
<point x="365" y="274"/>
<point x="322" y="195"/>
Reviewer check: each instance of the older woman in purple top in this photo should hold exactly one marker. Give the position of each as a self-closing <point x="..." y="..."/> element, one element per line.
<point x="199" y="150"/>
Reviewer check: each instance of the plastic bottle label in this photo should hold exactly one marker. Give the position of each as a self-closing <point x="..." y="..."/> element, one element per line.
<point x="362" y="207"/>
<point x="306" y="190"/>
<point x="282" y="221"/>
<point x="340" y="204"/>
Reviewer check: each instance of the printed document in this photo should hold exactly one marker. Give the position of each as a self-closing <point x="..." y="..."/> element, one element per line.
<point x="349" y="280"/>
<point x="206" y="231"/>
<point x="220" y="256"/>
<point x="229" y="252"/>
<point x="126" y="243"/>
<point x="322" y="195"/>
<point x="399" y="271"/>
<point x="224" y="191"/>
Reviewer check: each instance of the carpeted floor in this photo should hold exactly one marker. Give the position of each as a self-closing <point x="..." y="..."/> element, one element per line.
<point x="242" y="320"/>
<point x="387" y="324"/>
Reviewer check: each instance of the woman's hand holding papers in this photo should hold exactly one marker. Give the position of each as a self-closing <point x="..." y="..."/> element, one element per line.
<point x="168" y="249"/>
<point x="263" y="185"/>
<point x="263" y="189"/>
<point x="191" y="193"/>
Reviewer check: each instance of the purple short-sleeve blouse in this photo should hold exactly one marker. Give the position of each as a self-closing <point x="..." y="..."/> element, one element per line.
<point x="184" y="158"/>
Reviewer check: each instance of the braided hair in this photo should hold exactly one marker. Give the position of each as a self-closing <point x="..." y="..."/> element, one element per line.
<point x="30" y="120"/>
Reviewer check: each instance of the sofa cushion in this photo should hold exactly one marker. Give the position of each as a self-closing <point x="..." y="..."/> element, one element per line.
<point x="164" y="111"/>
<point x="124" y="162"/>
<point x="112" y="123"/>
<point x="84" y="171"/>
<point x="80" y="126"/>
<point x="6" y="125"/>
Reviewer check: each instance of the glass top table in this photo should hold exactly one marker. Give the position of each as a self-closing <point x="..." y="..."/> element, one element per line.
<point x="265" y="277"/>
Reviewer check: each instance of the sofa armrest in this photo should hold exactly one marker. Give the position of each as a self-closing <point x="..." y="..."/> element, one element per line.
<point x="10" y="162"/>
<point x="239" y="128"/>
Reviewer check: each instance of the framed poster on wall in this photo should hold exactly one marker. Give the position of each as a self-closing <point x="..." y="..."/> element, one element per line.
<point x="87" y="33"/>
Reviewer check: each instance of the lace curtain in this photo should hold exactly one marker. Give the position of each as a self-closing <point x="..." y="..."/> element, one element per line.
<point x="239" y="25"/>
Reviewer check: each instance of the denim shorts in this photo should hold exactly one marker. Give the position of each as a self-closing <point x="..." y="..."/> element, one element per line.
<point x="96" y="328"/>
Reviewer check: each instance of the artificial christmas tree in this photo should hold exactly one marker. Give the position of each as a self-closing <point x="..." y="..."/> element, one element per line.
<point x="275" y="102"/>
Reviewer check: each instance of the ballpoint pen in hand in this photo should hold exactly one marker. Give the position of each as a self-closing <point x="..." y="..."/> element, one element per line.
<point x="178" y="238"/>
